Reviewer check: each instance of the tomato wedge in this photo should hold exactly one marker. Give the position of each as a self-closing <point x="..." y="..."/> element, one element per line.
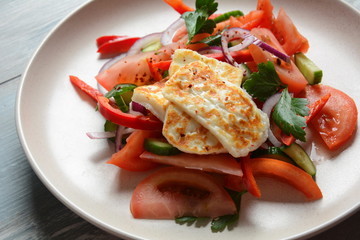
<point x="116" y="116"/>
<point x="220" y="163"/>
<point x="337" y="120"/>
<point x="267" y="7"/>
<point x="288" y="72"/>
<point x="282" y="171"/>
<point x="173" y="192"/>
<point x="288" y="35"/>
<point x="128" y="157"/>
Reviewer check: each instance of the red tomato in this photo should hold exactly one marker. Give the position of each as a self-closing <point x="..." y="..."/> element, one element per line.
<point x="267" y="7"/>
<point x="288" y="72"/>
<point x="221" y="163"/>
<point x="128" y="157"/>
<point x="337" y="120"/>
<point x="135" y="69"/>
<point x="175" y="192"/>
<point x="288" y="35"/>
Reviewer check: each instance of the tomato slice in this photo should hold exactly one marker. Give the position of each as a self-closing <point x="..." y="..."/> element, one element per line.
<point x="288" y="72"/>
<point x="115" y="115"/>
<point x="173" y="192"/>
<point x="288" y="35"/>
<point x="337" y="120"/>
<point x="220" y="163"/>
<point x="128" y="157"/>
<point x="267" y="7"/>
<point x="282" y="171"/>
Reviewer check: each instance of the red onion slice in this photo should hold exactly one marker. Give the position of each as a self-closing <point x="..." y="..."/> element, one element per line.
<point x="169" y="33"/>
<point x="267" y="108"/>
<point x="118" y="137"/>
<point x="210" y="50"/>
<point x="100" y="135"/>
<point x="143" y="42"/>
<point x="137" y="107"/>
<point x="247" y="39"/>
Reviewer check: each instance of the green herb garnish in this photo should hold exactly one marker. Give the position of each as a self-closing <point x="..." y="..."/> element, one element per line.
<point x="264" y="83"/>
<point x="289" y="115"/>
<point x="197" y="21"/>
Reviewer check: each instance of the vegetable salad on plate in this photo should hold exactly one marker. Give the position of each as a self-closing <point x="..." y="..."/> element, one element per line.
<point x="210" y="104"/>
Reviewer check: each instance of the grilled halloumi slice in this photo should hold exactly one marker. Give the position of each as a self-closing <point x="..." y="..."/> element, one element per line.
<point x="189" y="136"/>
<point x="217" y="102"/>
<point x="151" y="97"/>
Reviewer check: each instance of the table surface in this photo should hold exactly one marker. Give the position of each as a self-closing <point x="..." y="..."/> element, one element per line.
<point x="27" y="209"/>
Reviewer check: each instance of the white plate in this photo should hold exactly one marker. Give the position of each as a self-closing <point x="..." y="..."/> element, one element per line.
<point x="53" y="117"/>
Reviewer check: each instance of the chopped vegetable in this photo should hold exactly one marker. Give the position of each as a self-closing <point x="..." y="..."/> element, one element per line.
<point x="311" y="72"/>
<point x="197" y="21"/>
<point x="160" y="147"/>
<point x="289" y="115"/>
<point x="264" y="83"/>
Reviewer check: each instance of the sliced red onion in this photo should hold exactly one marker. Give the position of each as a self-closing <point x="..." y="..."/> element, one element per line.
<point x="138" y="107"/>
<point x="247" y="39"/>
<point x="100" y="135"/>
<point x="272" y="50"/>
<point x="267" y="108"/>
<point x="169" y="33"/>
<point x="143" y="42"/>
<point x="111" y="62"/>
<point x="118" y="137"/>
<point x="210" y="50"/>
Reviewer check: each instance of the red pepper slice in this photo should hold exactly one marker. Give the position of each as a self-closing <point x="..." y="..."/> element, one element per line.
<point x="280" y="170"/>
<point x="104" y="39"/>
<point x="117" y="45"/>
<point x="90" y="91"/>
<point x="116" y="116"/>
<point x="154" y="70"/>
<point x="179" y="6"/>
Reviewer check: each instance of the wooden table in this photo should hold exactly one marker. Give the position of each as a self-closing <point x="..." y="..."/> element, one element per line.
<point x="27" y="209"/>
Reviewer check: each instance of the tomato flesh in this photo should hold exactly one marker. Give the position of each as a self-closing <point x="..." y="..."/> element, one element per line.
<point x="173" y="192"/>
<point x="337" y="120"/>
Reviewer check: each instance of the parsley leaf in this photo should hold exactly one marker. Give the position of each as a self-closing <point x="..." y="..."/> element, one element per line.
<point x="264" y="83"/>
<point x="289" y="115"/>
<point x="197" y="21"/>
<point x="220" y="223"/>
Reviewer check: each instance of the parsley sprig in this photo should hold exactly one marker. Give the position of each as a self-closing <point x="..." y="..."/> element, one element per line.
<point x="289" y="115"/>
<point x="197" y="21"/>
<point x="264" y="83"/>
<point x="218" y="224"/>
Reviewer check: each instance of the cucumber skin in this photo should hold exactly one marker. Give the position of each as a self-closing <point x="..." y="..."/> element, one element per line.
<point x="312" y="73"/>
<point x="159" y="147"/>
<point x="300" y="157"/>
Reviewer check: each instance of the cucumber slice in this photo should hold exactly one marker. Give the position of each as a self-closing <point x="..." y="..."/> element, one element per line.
<point x="300" y="157"/>
<point x="152" y="47"/>
<point x="308" y="68"/>
<point x="272" y="152"/>
<point x="160" y="147"/>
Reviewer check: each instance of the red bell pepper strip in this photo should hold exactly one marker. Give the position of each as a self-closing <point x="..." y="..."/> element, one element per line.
<point x="248" y="177"/>
<point x="154" y="70"/>
<point x="283" y="171"/>
<point x="104" y="39"/>
<point x="117" y="45"/>
<point x="315" y="108"/>
<point x="116" y="116"/>
<point x="90" y="91"/>
<point x="179" y="6"/>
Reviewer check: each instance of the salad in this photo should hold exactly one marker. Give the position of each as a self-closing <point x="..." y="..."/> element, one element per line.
<point x="212" y="103"/>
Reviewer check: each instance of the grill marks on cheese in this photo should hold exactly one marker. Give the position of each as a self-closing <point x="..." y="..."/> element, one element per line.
<point x="219" y="105"/>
